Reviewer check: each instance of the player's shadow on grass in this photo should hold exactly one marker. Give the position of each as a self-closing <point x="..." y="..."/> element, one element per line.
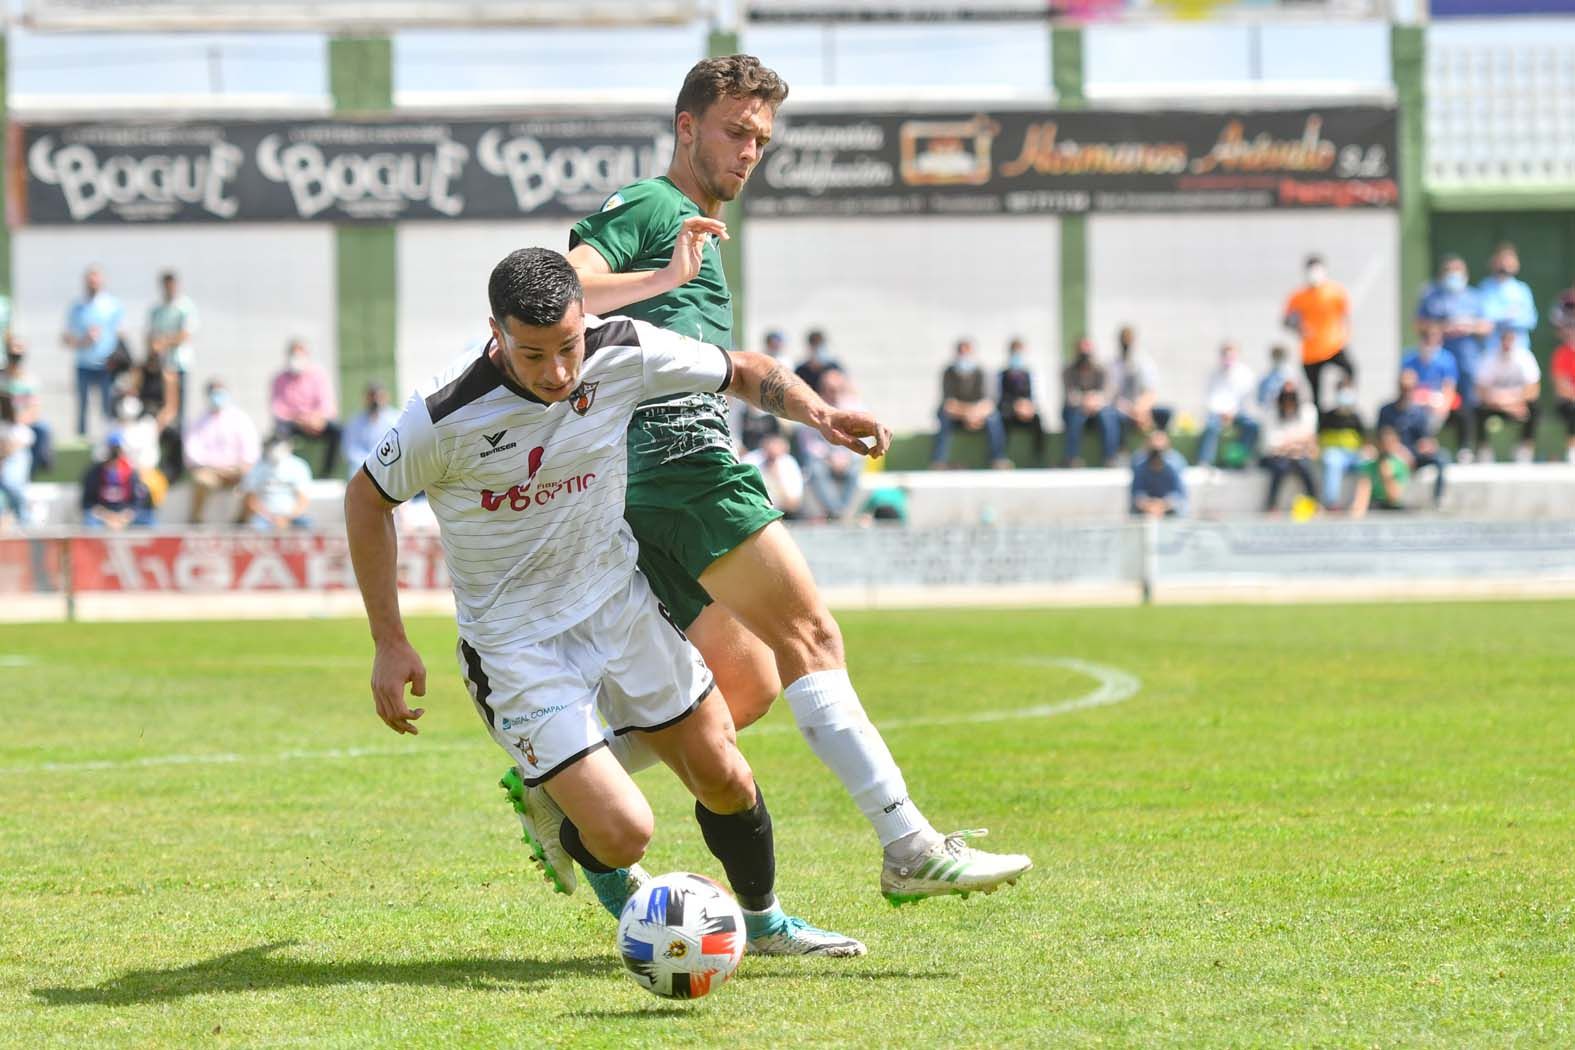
<point x="254" y="969"/>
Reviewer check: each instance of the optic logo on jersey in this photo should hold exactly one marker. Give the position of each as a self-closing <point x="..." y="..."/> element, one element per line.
<point x="522" y="497"/>
<point x="388" y="451"/>
<point x="493" y="439"/>
<point x="583" y="398"/>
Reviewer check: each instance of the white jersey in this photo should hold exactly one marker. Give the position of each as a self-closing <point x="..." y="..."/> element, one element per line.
<point x="529" y="496"/>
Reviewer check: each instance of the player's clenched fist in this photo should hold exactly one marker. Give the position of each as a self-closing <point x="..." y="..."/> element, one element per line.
<point x="396" y="664"/>
<point x="689" y="249"/>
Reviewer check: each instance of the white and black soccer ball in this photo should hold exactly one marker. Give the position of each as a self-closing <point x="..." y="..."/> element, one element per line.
<point x="681" y="935"/>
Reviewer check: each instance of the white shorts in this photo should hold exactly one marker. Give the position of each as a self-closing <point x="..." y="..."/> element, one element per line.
<point x="626" y="660"/>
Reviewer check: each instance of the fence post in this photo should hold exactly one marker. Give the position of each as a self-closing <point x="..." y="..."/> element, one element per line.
<point x="1148" y="558"/>
<point x="68" y="579"/>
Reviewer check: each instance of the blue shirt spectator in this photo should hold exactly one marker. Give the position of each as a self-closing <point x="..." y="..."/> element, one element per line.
<point x="1453" y="303"/>
<point x="93" y="323"/>
<point x="1507" y="300"/>
<point x="1437" y="374"/>
<point x="93" y="332"/>
<point x="1159" y="483"/>
<point x="1280" y="371"/>
<point x="362" y="433"/>
<point x="1406" y="418"/>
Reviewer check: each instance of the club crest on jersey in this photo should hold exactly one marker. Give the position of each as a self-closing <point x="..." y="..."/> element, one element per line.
<point x="583" y="398"/>
<point x="525" y="749"/>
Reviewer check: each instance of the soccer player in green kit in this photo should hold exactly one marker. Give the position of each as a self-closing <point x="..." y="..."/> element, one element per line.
<point x="710" y="541"/>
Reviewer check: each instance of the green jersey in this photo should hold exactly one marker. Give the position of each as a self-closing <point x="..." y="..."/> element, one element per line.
<point x="635" y="231"/>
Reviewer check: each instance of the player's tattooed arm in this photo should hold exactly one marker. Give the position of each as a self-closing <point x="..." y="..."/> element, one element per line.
<point x="769" y="386"/>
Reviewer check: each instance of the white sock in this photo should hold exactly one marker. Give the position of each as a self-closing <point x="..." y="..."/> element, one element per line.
<point x="836" y="728"/>
<point x="631" y="751"/>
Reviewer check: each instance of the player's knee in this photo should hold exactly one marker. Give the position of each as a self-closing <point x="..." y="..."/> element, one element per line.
<point x="817" y="642"/>
<point x="622" y="842"/>
<point x="727" y="786"/>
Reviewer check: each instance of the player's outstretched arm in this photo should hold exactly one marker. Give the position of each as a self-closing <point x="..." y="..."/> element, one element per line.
<point x="374" y="552"/>
<point x="607" y="292"/>
<point x="769" y="386"/>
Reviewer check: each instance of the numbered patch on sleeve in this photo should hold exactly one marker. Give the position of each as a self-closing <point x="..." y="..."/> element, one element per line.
<point x="388" y="450"/>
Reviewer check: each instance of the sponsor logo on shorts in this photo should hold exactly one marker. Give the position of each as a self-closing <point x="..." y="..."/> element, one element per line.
<point x="583" y="398"/>
<point x="509" y="723"/>
<point x="388" y="449"/>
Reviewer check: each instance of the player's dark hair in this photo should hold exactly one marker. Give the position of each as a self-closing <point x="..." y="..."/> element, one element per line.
<point x="733" y="76"/>
<point x="534" y="286"/>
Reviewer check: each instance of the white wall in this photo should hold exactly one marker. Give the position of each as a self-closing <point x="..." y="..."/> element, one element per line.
<point x="255" y="287"/>
<point x="1189" y="282"/>
<point x="443" y="270"/>
<point x="894" y="296"/>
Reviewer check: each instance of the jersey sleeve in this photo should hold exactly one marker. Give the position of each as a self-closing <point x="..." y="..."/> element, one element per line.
<point x="677" y="364"/>
<point x="622" y="229"/>
<point x="408" y="458"/>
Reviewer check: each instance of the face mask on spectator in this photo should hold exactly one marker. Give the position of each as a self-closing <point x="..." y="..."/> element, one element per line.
<point x="966" y="365"/>
<point x="1316" y="274"/>
<point x="1016" y="361"/>
<point x="217" y="399"/>
<point x="1455" y="281"/>
<point x="1345" y="399"/>
<point x="297" y="363"/>
<point x="130" y="408"/>
<point x="277" y="454"/>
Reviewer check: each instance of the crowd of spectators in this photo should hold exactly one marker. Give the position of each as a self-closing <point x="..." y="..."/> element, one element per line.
<point x="150" y="444"/>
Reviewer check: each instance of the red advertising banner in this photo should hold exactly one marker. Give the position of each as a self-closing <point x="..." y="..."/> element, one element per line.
<point x="213" y="564"/>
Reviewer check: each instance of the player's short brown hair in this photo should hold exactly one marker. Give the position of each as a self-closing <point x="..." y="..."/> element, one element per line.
<point x="733" y="76"/>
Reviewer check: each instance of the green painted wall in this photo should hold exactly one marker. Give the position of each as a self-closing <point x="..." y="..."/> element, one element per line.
<point x="718" y="44"/>
<point x="1066" y="71"/>
<point x="361" y="79"/>
<point x="1408" y="52"/>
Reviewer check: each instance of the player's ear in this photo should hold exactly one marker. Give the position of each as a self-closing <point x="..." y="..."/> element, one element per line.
<point x="684" y="126"/>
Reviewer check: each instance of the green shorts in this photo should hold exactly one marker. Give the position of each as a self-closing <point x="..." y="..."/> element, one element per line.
<point x="688" y="513"/>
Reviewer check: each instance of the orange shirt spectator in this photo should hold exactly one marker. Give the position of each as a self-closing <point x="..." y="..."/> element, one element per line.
<point x="1320" y="313"/>
<point x="1564" y="387"/>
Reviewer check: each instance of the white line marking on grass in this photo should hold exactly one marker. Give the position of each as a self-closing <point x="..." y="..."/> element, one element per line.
<point x="15" y="660"/>
<point x="1115" y="685"/>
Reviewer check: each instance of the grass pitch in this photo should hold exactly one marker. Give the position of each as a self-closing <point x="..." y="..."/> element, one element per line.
<point x="1335" y="826"/>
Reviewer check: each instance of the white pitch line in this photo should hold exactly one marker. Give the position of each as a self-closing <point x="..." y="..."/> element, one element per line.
<point x="1115" y="685"/>
<point x="15" y="660"/>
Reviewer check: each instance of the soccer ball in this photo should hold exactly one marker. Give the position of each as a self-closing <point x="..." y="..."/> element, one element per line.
<point x="681" y="935"/>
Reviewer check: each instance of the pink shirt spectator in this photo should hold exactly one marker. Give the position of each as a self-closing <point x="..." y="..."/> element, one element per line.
<point x="223" y="439"/>
<point x="298" y="395"/>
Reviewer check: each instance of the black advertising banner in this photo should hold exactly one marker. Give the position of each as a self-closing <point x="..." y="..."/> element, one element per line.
<point x="561" y="167"/>
<point x="333" y="170"/>
<point x="1025" y="162"/>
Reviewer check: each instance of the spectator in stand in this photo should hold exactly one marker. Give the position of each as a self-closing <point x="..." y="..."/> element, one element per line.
<point x="16" y="463"/>
<point x="780" y="471"/>
<point x="1506" y="299"/>
<point x="303" y="404"/>
<point x="1508" y="384"/>
<point x="1159" y="482"/>
<point x="18" y="385"/>
<point x="1290" y="443"/>
<point x="1437" y="376"/>
<point x="1083" y="385"/>
<point x="278" y="490"/>
<point x="1320" y="312"/>
<point x="1412" y="421"/>
<point x="751" y="426"/>
<point x="1382" y="480"/>
<point x="221" y="447"/>
<point x="93" y="333"/>
<point x="364" y="431"/>
<point x="1015" y="398"/>
<point x="1280" y="372"/>
<point x="965" y="404"/>
<point x="831" y="472"/>
<point x="1341" y="442"/>
<point x="1564" y="381"/>
<point x="1231" y="398"/>
<point x="113" y="493"/>
<point x="157" y="384"/>
<point x="171" y="325"/>
<point x="817" y="360"/>
<point x="139" y="436"/>
<point x="1452" y="303"/>
<point x="1562" y="314"/>
<point x="1132" y="383"/>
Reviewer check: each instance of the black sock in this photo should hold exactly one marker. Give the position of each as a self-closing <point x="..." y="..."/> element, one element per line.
<point x="569" y="838"/>
<point x="744" y="845"/>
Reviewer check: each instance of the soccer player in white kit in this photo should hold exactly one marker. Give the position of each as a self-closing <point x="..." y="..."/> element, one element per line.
<point x="520" y="448"/>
